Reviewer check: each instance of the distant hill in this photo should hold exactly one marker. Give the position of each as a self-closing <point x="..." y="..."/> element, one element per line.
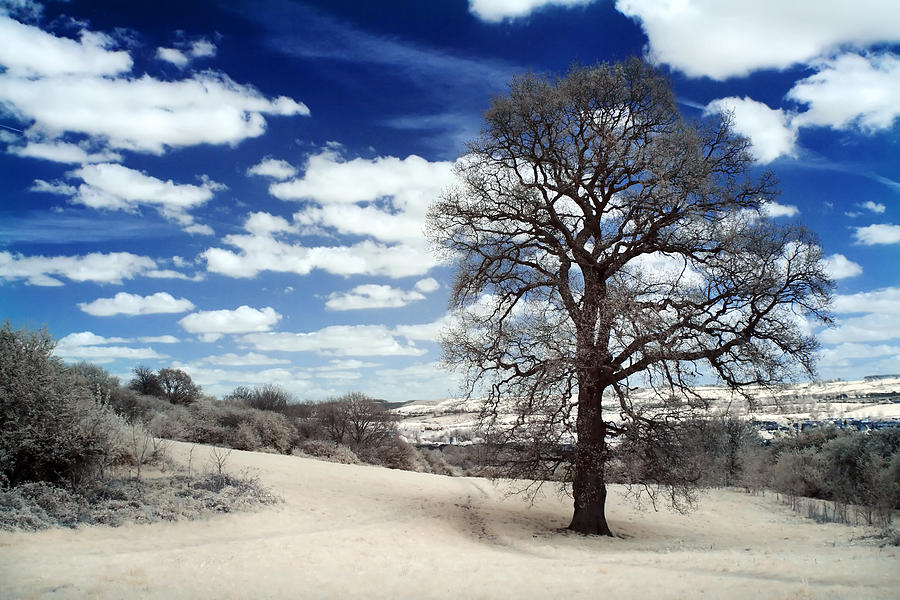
<point x="873" y="397"/>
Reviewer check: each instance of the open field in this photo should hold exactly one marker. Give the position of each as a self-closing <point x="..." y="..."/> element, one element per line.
<point x="359" y="531"/>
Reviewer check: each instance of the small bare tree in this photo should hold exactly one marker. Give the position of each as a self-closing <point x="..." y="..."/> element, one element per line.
<point x="178" y="387"/>
<point x="218" y="458"/>
<point x="146" y="382"/>
<point x="602" y="241"/>
<point x="356" y="420"/>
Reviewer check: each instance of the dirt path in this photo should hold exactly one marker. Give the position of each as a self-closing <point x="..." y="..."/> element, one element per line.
<point x="365" y="532"/>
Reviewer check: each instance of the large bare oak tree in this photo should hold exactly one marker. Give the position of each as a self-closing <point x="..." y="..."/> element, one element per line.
<point x="603" y="241"/>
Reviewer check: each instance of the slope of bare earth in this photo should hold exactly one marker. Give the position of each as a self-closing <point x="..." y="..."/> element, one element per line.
<point x="347" y="531"/>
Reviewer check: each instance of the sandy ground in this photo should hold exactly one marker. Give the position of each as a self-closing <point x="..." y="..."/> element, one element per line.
<point x="347" y="531"/>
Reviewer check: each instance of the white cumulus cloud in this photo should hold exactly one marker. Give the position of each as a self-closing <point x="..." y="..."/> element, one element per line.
<point x="274" y="168"/>
<point x="839" y="266"/>
<point x="112" y="186"/>
<point x="210" y="325"/>
<point x="725" y="39"/>
<point x="202" y="48"/>
<point x="88" y="338"/>
<point x="872" y="327"/>
<point x="882" y="233"/>
<point x="172" y="55"/>
<point x="116" y="187"/>
<point x="495" y="11"/>
<point x="180" y="58"/>
<point x="372" y="296"/>
<point x="133" y="304"/>
<point x="64" y="152"/>
<point x="875" y="207"/>
<point x="329" y="179"/>
<point x="884" y="300"/>
<point x="876" y="314"/>
<point x="775" y="210"/>
<point x="86" y="345"/>
<point x="769" y="130"/>
<point x="62" y="86"/>
<point x="385" y="197"/>
<point x="145" y="114"/>
<point x="842" y="354"/>
<point x="96" y="266"/>
<point x="427" y="285"/>
<point x="382" y="200"/>
<point x="30" y="52"/>
<point x="851" y="90"/>
<point x="267" y="248"/>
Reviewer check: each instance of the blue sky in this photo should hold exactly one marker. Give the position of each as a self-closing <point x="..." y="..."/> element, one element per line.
<point x="238" y="188"/>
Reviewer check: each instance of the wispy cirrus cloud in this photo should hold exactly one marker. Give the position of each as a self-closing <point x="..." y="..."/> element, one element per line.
<point x="445" y="89"/>
<point x="337" y="340"/>
<point x="74" y="224"/>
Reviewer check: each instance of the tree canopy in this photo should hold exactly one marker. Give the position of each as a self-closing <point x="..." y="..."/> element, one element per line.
<point x="602" y="241"/>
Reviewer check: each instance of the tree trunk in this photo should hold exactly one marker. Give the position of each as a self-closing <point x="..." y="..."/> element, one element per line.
<point x="589" y="486"/>
<point x="590" y="504"/>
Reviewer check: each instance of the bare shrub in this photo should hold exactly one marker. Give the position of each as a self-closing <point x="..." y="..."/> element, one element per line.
<point x="434" y="460"/>
<point x="393" y="453"/>
<point x="267" y="397"/>
<point x="53" y="426"/>
<point x="467" y="459"/>
<point x="175" y="423"/>
<point x="245" y="438"/>
<point x="39" y="505"/>
<point x="326" y="450"/>
<point x="273" y="430"/>
<point x="135" y="406"/>
<point x="300" y="410"/>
